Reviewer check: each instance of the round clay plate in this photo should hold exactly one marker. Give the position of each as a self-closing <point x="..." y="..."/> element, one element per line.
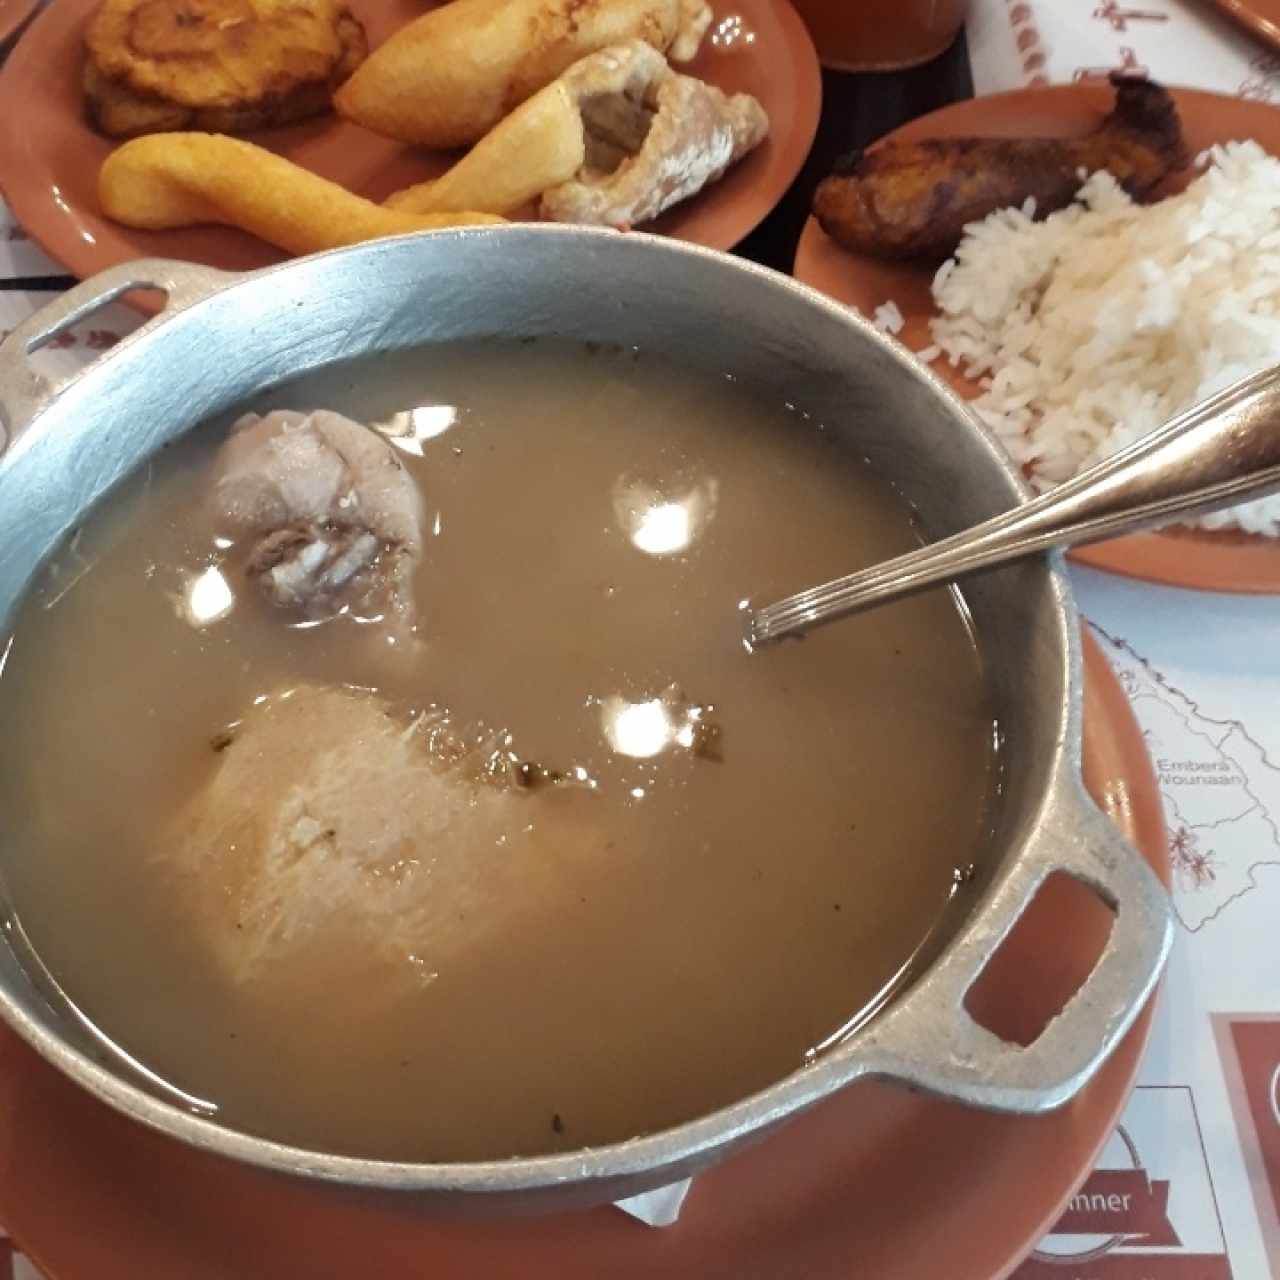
<point x="1205" y="561"/>
<point x="876" y="1182"/>
<point x="49" y="167"/>
<point x="13" y="13"/>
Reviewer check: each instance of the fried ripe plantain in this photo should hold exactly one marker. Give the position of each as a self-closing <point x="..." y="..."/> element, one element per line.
<point x="221" y="65"/>
<point x="449" y="76"/>
<point x="914" y="199"/>
<point x="189" y="179"/>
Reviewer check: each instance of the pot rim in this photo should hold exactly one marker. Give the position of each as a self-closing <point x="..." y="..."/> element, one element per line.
<point x="882" y="1047"/>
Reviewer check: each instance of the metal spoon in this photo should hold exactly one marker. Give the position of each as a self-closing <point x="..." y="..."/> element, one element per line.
<point x="1220" y="452"/>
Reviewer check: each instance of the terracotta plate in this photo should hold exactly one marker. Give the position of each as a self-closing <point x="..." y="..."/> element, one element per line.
<point x="49" y="167"/>
<point x="13" y="13"/>
<point x="1262" y="17"/>
<point x="1205" y="561"/>
<point x="875" y="1182"/>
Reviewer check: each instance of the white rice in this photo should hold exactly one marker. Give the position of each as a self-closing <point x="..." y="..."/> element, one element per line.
<point x="1100" y="323"/>
<point x="888" y="318"/>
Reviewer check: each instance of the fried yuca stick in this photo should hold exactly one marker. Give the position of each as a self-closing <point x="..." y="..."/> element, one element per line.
<point x="184" y="179"/>
<point x="540" y="145"/>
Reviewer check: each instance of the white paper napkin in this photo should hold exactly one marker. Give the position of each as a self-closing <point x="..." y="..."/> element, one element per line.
<point x="24" y="1269"/>
<point x="1018" y="43"/>
<point x="658" y="1208"/>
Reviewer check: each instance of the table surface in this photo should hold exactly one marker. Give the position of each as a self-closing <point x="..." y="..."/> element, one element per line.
<point x="1204" y="679"/>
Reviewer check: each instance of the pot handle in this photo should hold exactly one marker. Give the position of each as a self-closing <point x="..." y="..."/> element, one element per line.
<point x="24" y="393"/>
<point x="930" y="1041"/>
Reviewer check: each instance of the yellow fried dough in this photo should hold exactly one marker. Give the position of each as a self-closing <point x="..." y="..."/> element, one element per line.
<point x="448" y="77"/>
<point x="185" y="179"/>
<point x="538" y="146"/>
<point x="695" y="17"/>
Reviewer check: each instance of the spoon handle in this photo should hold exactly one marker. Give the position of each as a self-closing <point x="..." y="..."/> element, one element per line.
<point x="1220" y="452"/>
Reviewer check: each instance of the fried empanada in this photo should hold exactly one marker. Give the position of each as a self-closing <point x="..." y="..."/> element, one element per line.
<point x="617" y="139"/>
<point x="539" y="145"/>
<point x="448" y="77"/>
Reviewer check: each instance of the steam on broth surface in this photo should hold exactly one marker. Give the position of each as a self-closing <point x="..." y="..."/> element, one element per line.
<point x="563" y="865"/>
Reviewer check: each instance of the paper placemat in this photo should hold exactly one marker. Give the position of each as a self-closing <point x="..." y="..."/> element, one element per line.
<point x="1015" y="44"/>
<point x="1189" y="1187"/>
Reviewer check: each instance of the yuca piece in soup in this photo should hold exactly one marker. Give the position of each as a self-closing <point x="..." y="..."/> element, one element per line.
<point x="332" y="835"/>
<point x="541" y="859"/>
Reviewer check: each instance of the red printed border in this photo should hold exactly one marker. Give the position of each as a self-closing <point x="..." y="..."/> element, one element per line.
<point x="1141" y="1245"/>
<point x="1243" y="1088"/>
<point x="1028" y="42"/>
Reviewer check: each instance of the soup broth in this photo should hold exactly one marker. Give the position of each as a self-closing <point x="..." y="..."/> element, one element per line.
<point x="693" y="867"/>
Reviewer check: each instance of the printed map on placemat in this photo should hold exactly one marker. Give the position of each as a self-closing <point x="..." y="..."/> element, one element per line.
<point x="1221" y="791"/>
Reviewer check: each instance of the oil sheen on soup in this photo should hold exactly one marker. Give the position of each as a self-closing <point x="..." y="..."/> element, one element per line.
<point x="409" y="792"/>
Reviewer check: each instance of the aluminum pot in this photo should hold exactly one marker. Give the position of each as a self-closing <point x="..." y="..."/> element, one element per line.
<point x="224" y="337"/>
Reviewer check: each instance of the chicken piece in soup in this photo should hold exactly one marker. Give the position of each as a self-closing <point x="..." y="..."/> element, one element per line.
<point x="333" y="516"/>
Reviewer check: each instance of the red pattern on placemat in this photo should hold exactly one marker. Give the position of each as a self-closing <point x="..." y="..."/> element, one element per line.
<point x="1124" y="17"/>
<point x="1026" y="39"/>
<point x="1115" y="12"/>
<point x="1128" y="66"/>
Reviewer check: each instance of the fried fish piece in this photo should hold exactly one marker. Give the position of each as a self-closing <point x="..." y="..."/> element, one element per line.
<point x="617" y="139"/>
<point x="653" y="138"/>
<point x="448" y="77"/>
<point x="914" y="199"/>
<point x="187" y="179"/>
<point x="221" y="65"/>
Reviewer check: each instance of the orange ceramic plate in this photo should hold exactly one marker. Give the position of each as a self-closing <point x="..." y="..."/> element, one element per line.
<point x="13" y="13"/>
<point x="1205" y="561"/>
<point x="876" y="1182"/>
<point x="1262" y="17"/>
<point x="49" y="167"/>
